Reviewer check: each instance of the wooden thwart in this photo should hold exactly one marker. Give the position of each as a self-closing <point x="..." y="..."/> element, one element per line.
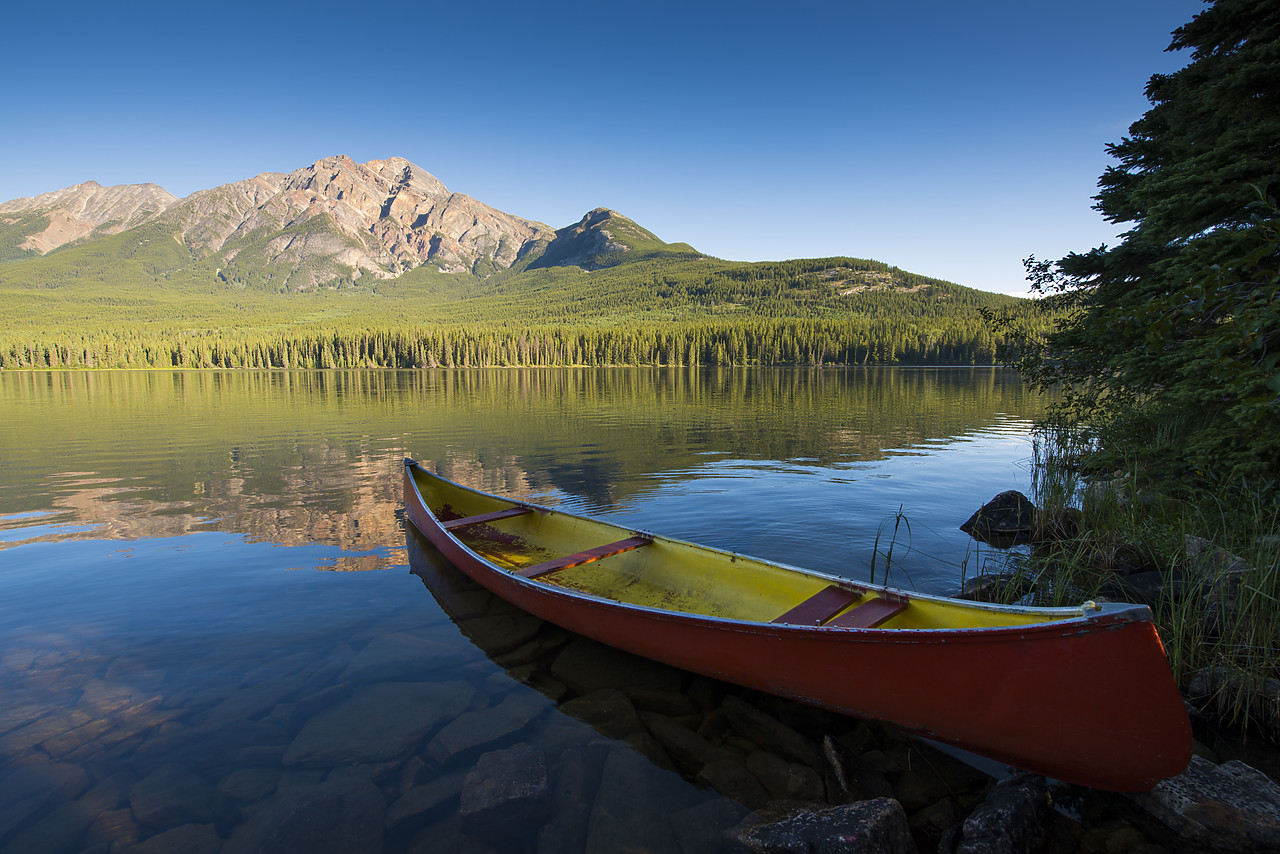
<point x="580" y="558"/>
<point x="481" y="518"/>
<point x="869" y="614"/>
<point x="819" y="608"/>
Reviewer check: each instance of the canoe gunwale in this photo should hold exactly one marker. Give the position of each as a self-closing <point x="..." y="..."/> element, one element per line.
<point x="1088" y="617"/>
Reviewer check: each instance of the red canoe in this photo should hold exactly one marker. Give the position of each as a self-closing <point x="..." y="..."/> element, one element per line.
<point x="1081" y="694"/>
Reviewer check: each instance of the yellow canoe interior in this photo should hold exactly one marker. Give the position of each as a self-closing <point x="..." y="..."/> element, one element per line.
<point x="669" y="575"/>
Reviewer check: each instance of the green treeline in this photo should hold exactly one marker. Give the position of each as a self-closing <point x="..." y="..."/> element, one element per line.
<point x="753" y="341"/>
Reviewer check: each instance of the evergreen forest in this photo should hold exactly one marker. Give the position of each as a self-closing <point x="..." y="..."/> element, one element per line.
<point x="139" y="300"/>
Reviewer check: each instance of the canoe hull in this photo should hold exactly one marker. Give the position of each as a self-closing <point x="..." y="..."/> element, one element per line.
<point x="1086" y="701"/>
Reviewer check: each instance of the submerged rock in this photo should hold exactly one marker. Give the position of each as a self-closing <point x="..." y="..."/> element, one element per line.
<point x="169" y="796"/>
<point x="342" y="816"/>
<point x="507" y="794"/>
<point x="377" y="723"/>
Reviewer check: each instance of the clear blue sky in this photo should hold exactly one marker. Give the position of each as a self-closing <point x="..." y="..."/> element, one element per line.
<point x="949" y="138"/>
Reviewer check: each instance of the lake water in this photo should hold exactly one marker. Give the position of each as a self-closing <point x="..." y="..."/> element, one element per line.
<point x="211" y="638"/>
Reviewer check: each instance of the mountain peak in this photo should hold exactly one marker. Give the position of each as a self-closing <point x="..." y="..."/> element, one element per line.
<point x="82" y="210"/>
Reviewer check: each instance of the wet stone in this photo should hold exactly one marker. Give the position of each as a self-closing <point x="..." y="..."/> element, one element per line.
<point x="252" y="702"/>
<point x="930" y="824"/>
<point x="917" y="787"/>
<point x="689" y="750"/>
<point x="704" y="827"/>
<point x="169" y="796"/>
<point x="110" y="793"/>
<point x="339" y="817"/>
<point x="279" y="667"/>
<point x="771" y="734"/>
<point x="1012" y="818"/>
<point x="184" y="839"/>
<point x="576" y="780"/>
<point x="56" y="833"/>
<point x="401" y="656"/>
<point x="476" y="729"/>
<point x="247" y="785"/>
<point x="506" y="795"/>
<point x="587" y="666"/>
<point x="377" y="723"/>
<point x="856" y="778"/>
<point x="1006" y="520"/>
<point x="673" y="704"/>
<point x="1229" y="807"/>
<point x="607" y="710"/>
<point x="632" y="806"/>
<point x="26" y="789"/>
<point x="878" y="826"/>
<point x="204" y="747"/>
<point x="786" y="781"/>
<point x="731" y="778"/>
<point x="503" y="632"/>
<point x="115" y="828"/>
<point x="421" y="803"/>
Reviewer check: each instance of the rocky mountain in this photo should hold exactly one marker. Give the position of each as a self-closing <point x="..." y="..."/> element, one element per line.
<point x="599" y="240"/>
<point x="37" y="224"/>
<point x="329" y="224"/>
<point x="338" y="219"/>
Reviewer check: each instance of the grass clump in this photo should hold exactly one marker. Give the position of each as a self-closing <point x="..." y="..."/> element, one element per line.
<point x="1206" y="563"/>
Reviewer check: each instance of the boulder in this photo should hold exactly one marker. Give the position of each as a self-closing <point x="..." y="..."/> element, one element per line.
<point x="1006" y="520"/>
<point x="689" y="750"/>
<point x="731" y="778"/>
<point x="1011" y="820"/>
<point x="703" y="827"/>
<point x="169" y="796"/>
<point x="786" y="781"/>
<point x="608" y="710"/>
<point x="343" y="816"/>
<point x="633" y="805"/>
<point x="25" y="789"/>
<point x="868" y="827"/>
<point x="421" y="803"/>
<point x="856" y="779"/>
<point x="996" y="587"/>
<point x="183" y="839"/>
<point x="486" y="726"/>
<point x="585" y="666"/>
<point x="506" y="796"/>
<point x="399" y="656"/>
<point x="771" y="734"/>
<point x="377" y="723"/>
<point x="1215" y="808"/>
<point x="576" y="781"/>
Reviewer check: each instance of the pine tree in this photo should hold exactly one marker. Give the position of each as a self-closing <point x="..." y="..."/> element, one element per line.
<point x="1176" y="330"/>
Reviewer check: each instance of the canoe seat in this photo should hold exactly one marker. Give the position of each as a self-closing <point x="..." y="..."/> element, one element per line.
<point x="819" y="609"/>
<point x="588" y="556"/>
<point x="870" y="614"/>
<point x="481" y="518"/>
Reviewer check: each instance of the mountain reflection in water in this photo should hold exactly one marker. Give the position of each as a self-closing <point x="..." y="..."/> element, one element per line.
<point x="310" y="457"/>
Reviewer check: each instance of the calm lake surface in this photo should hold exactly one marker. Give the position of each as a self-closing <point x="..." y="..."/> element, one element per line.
<point x="211" y="638"/>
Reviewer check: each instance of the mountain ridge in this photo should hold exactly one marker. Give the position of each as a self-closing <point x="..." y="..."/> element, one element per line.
<point x="378" y="219"/>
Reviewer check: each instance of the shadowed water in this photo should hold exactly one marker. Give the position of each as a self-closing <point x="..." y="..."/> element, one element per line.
<point x="176" y="675"/>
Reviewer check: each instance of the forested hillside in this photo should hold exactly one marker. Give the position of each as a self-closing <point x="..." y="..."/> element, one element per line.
<point x="604" y="291"/>
<point x="131" y="311"/>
